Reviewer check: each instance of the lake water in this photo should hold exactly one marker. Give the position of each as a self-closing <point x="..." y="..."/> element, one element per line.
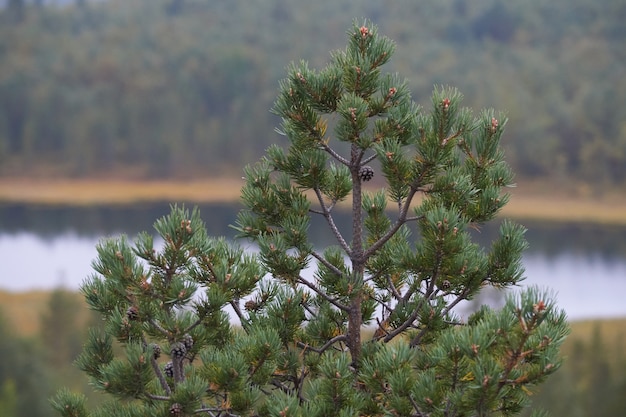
<point x="43" y="248"/>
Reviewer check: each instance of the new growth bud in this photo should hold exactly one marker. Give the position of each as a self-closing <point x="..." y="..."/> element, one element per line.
<point x="494" y="124"/>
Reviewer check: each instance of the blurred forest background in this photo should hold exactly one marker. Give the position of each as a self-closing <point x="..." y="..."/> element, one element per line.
<point x="149" y="89"/>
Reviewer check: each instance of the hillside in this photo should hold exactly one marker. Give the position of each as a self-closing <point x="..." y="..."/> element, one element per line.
<point x="183" y="88"/>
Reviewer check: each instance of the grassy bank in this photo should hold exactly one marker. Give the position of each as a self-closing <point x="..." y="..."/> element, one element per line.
<point x="562" y="208"/>
<point x="95" y="192"/>
<point x="23" y="310"/>
<point x="528" y="201"/>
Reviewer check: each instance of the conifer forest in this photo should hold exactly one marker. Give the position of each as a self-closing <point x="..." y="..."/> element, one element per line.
<point x="152" y="88"/>
<point x="309" y="100"/>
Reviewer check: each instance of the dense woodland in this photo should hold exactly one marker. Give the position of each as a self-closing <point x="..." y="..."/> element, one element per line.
<point x="183" y="88"/>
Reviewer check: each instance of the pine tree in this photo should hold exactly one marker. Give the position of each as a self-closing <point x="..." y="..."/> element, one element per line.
<point x="24" y="380"/>
<point x="372" y="330"/>
<point x="60" y="328"/>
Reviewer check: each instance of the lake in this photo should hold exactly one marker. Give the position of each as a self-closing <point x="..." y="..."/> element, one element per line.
<point x="47" y="247"/>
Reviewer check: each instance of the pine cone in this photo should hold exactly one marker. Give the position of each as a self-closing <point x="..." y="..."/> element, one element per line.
<point x="178" y="351"/>
<point x="251" y="305"/>
<point x="187" y="341"/>
<point x="169" y="370"/>
<point x="366" y="173"/>
<point x="176" y="409"/>
<point x="132" y="313"/>
<point x="156" y="351"/>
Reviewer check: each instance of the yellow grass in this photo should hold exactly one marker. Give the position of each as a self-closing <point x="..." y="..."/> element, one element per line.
<point x="559" y="208"/>
<point x="528" y="201"/>
<point x="94" y="192"/>
<point x="611" y="334"/>
<point x="613" y="331"/>
<point x="22" y="311"/>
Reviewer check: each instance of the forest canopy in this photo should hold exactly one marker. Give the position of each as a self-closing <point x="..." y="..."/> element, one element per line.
<point x="182" y="88"/>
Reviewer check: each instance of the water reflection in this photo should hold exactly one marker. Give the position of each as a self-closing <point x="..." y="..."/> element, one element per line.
<point x="44" y="247"/>
<point x="51" y="221"/>
<point x="550" y="239"/>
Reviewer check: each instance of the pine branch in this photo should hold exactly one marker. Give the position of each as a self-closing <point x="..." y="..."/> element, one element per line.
<point x="300" y="384"/>
<point x="418" y="338"/>
<point x="211" y="412"/>
<point x="417" y="408"/>
<point x="335" y="155"/>
<point x="458" y="299"/>
<point x="160" y="376"/>
<point x="157" y="371"/>
<point x="157" y="326"/>
<point x="409" y="322"/>
<point x="405" y="325"/>
<point x="331" y="222"/>
<point x="242" y="319"/>
<point x="323" y="294"/>
<point x="392" y="287"/>
<point x="381" y="303"/>
<point x="158" y="397"/>
<point x="193" y="325"/>
<point x="308" y="309"/>
<point x="413" y="218"/>
<point x="327" y="264"/>
<point x="325" y="346"/>
<point x="518" y="353"/>
<point x="402" y="219"/>
<point x="368" y="159"/>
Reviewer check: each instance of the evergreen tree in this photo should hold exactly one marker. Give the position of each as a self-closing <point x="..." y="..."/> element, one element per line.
<point x="297" y="342"/>
<point x="24" y="381"/>
<point x="60" y="328"/>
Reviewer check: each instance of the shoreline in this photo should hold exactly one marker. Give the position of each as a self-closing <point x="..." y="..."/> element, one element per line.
<point x="91" y="192"/>
<point x="524" y="204"/>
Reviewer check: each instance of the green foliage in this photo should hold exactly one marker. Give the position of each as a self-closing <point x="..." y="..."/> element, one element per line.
<point x="24" y="383"/>
<point x="591" y="377"/>
<point x="293" y="344"/>
<point x="69" y="404"/>
<point x="59" y="328"/>
<point x="8" y="398"/>
<point x="152" y="93"/>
